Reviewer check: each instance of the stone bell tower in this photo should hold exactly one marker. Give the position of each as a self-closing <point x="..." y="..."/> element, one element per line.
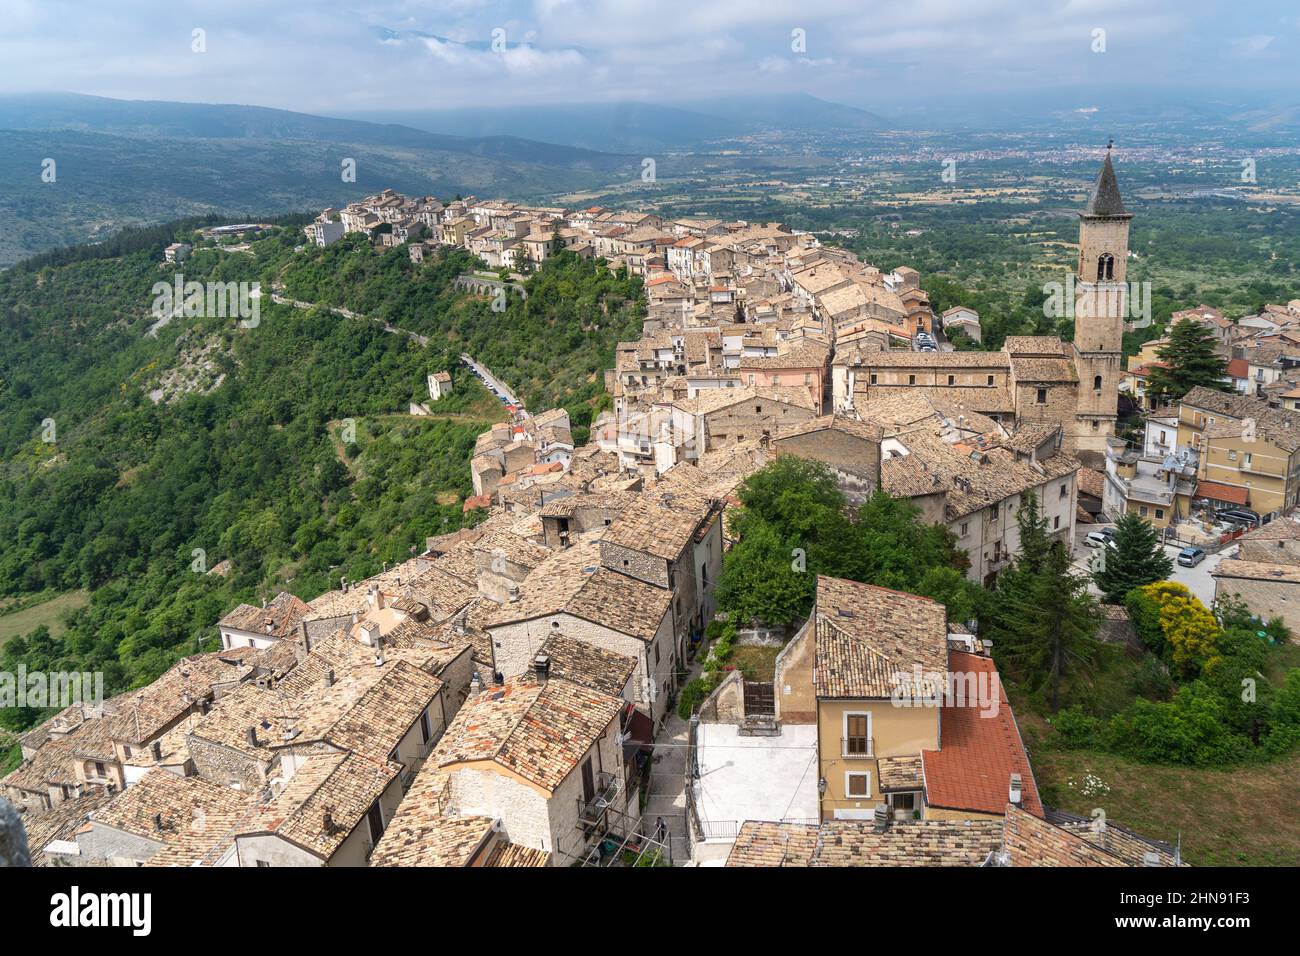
<point x="1100" y="308"/>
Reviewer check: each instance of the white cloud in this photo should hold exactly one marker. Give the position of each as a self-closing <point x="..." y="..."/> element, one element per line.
<point x="328" y="55"/>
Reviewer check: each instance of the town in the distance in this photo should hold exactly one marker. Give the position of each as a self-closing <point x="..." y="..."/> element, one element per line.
<point x="600" y="668"/>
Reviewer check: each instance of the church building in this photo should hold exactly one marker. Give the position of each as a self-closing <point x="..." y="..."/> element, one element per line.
<point x="1033" y="378"/>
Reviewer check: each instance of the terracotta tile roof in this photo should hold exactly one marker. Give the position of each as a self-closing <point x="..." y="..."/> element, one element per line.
<point x="586" y="664"/>
<point x="376" y="722"/>
<point x="61" y="821"/>
<point x="763" y="843"/>
<point x="979" y="750"/>
<point x="249" y="705"/>
<point x="1276" y="425"/>
<point x="54" y="761"/>
<point x="971" y="485"/>
<point x="1256" y="571"/>
<point x="1217" y="491"/>
<point x="1031" y="841"/>
<point x="661" y="524"/>
<point x="856" y="843"/>
<point x="539" y="731"/>
<point x="278" y="619"/>
<point x="206" y="839"/>
<point x="1090" y="481"/>
<point x="442" y="841"/>
<point x="178" y="800"/>
<point x="324" y="800"/>
<point x="900" y="773"/>
<point x="140" y="715"/>
<point x="513" y="855"/>
<point x="575" y="582"/>
<point x="866" y="635"/>
<point x="1133" y="848"/>
<point x="919" y="843"/>
<point x="1040" y="346"/>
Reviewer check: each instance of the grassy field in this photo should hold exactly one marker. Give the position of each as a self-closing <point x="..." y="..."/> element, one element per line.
<point x="49" y="613"/>
<point x="1247" y="816"/>
<point x="757" y="663"/>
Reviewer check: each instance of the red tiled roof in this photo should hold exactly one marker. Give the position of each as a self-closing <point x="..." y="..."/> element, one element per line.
<point x="979" y="751"/>
<point x="1217" y="492"/>
<point x="1238" y="368"/>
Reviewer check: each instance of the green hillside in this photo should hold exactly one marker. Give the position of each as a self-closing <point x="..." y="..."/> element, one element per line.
<point x="244" y="457"/>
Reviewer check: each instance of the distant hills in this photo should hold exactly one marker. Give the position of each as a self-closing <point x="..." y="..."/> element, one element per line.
<point x="120" y="163"/>
<point x="640" y="127"/>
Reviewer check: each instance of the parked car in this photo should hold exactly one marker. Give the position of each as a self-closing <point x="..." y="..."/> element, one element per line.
<point x="1096" y="539"/>
<point x="1191" y="557"/>
<point x="1239" y="516"/>
<point x="1109" y="533"/>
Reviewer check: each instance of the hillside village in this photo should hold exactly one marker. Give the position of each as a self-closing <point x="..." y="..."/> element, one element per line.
<point x="506" y="697"/>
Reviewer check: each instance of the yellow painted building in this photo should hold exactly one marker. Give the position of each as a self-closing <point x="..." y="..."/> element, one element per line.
<point x="1247" y="451"/>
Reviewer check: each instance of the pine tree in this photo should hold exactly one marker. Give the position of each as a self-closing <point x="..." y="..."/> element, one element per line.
<point x="1134" y="557"/>
<point x="1053" y="634"/>
<point x="1188" y="359"/>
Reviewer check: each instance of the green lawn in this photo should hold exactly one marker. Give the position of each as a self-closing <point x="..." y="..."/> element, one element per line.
<point x="49" y="613"/>
<point x="1247" y="816"/>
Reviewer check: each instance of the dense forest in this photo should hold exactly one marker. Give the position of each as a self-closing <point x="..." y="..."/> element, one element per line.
<point x="284" y="448"/>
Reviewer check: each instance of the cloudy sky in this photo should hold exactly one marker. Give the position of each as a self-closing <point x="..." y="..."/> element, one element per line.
<point x="335" y="56"/>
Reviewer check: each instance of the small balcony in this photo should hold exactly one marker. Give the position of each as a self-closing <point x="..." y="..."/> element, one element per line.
<point x="857" y="748"/>
<point x="591" y="812"/>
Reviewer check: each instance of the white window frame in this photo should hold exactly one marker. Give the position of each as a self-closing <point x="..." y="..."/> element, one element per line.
<point x="848" y="794"/>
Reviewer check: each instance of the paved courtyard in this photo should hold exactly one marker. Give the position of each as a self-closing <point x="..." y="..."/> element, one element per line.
<point x="755" y="778"/>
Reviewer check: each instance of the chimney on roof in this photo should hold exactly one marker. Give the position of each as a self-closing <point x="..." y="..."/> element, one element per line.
<point x="374" y="597"/>
<point x="542" y="667"/>
<point x="156" y="747"/>
<point x="512" y="593"/>
<point x="1017" y="792"/>
<point x="329" y="677"/>
<point x="251" y="735"/>
<point x="370" y="633"/>
<point x="475" y="684"/>
<point x="379" y="657"/>
<point x="343" y="584"/>
<point x="157" y="821"/>
<point x="880" y="819"/>
<point x="1150" y="858"/>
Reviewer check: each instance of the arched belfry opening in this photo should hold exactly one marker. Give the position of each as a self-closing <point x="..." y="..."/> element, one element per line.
<point x="1105" y="267"/>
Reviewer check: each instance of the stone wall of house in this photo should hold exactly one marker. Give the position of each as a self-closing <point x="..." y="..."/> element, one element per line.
<point x="638" y="564"/>
<point x="1270" y="552"/>
<point x="796" y="701"/>
<point x="106" y="843"/>
<point x="726" y="705"/>
<point x="749" y="419"/>
<point x="227" y="767"/>
<point x="1266" y="599"/>
<point x="855" y="461"/>
<point x="515" y="645"/>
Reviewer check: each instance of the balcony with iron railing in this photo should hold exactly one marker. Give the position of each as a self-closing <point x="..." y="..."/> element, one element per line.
<point x="857" y="748"/>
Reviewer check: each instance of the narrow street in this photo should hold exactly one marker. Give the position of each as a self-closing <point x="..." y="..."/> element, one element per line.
<point x="667" y="797"/>
<point x="1197" y="579"/>
<point x="349" y="314"/>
